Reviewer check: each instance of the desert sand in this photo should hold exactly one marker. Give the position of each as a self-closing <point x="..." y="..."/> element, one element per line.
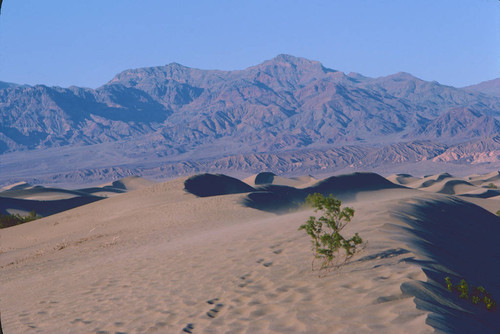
<point x="225" y="256"/>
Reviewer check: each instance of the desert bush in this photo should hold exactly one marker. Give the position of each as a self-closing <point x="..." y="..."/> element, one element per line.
<point x="476" y="294"/>
<point x="16" y="219"/>
<point x="491" y="185"/>
<point x="498" y="213"/>
<point x="327" y="241"/>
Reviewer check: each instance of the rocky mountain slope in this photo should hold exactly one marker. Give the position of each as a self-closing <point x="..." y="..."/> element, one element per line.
<point x="287" y="106"/>
<point x="490" y="87"/>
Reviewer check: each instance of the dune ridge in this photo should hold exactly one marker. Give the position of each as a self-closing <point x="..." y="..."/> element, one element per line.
<point x="22" y="198"/>
<point x="440" y="229"/>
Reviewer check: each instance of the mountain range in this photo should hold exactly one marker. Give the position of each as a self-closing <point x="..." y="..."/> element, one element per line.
<point x="287" y="115"/>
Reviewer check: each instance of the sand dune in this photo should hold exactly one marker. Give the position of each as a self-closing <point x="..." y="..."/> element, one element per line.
<point x="41" y="193"/>
<point x="16" y="186"/>
<point x="402" y="178"/>
<point x="281" y="199"/>
<point x="267" y="178"/>
<point x="450" y="186"/>
<point x="482" y="193"/>
<point x="486" y="178"/>
<point x="132" y="183"/>
<point x="22" y="198"/>
<point x="439" y="230"/>
<point x="163" y="260"/>
<point x="43" y="208"/>
<point x="428" y="181"/>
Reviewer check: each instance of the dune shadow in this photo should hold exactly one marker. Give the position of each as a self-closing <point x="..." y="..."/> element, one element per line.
<point x="390" y="253"/>
<point x="283" y="199"/>
<point x="487" y="194"/>
<point x="458" y="239"/>
<point x="204" y="185"/>
<point x="276" y="199"/>
<point x="45" y="208"/>
<point x="264" y="178"/>
<point x="448" y="187"/>
<point x="280" y="198"/>
<point x="434" y="179"/>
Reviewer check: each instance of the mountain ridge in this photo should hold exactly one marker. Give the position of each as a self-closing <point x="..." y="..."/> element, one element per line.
<point x="284" y="104"/>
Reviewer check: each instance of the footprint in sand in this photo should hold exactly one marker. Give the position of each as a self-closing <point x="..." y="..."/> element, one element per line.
<point x="215" y="310"/>
<point x="245" y="280"/>
<point x="265" y="264"/>
<point x="212" y="301"/>
<point x="188" y="329"/>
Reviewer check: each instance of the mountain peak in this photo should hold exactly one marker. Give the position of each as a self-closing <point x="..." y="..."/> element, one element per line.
<point x="283" y="57"/>
<point x="292" y="64"/>
<point x="177" y="65"/>
<point x="289" y="60"/>
<point x="402" y="76"/>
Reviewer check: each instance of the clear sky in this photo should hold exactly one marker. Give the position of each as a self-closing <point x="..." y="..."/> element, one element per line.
<point x="86" y="42"/>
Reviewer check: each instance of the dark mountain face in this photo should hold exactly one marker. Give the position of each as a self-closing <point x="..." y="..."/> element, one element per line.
<point x="281" y="105"/>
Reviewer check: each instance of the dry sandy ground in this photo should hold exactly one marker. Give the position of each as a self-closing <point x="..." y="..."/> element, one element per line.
<point x="161" y="260"/>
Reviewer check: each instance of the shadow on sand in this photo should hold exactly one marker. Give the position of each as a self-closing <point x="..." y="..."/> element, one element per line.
<point x="45" y="208"/>
<point x="282" y="199"/>
<point x="204" y="185"/>
<point x="453" y="238"/>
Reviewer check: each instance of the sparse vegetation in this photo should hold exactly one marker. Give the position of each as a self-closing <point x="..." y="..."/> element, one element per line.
<point x="475" y="294"/>
<point x="498" y="213"/>
<point x="327" y="241"/>
<point x="16" y="219"/>
<point x="491" y="185"/>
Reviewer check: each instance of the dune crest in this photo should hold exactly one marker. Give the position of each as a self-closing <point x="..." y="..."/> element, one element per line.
<point x="16" y="186"/>
<point x="22" y="198"/>
<point x="268" y="178"/>
<point x="282" y="199"/>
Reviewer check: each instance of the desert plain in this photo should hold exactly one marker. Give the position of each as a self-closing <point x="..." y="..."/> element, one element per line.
<point x="215" y="254"/>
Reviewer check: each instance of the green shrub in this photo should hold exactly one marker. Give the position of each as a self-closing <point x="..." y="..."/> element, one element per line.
<point x="325" y="230"/>
<point x="476" y="294"/>
<point x="463" y="288"/>
<point x="498" y="213"/>
<point x="491" y="185"/>
<point x="16" y="219"/>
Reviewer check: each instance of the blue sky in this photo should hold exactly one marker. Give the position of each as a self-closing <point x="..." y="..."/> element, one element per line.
<point x="85" y="43"/>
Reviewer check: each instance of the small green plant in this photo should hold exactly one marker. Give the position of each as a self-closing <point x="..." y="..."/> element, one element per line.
<point x="491" y="185"/>
<point x="477" y="294"/>
<point x="449" y="285"/>
<point x="16" y="219"/>
<point x="498" y="213"/>
<point x="463" y="288"/>
<point x="327" y="241"/>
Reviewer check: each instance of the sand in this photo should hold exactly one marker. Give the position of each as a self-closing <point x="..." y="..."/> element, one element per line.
<point x="22" y="198"/>
<point x="162" y="260"/>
